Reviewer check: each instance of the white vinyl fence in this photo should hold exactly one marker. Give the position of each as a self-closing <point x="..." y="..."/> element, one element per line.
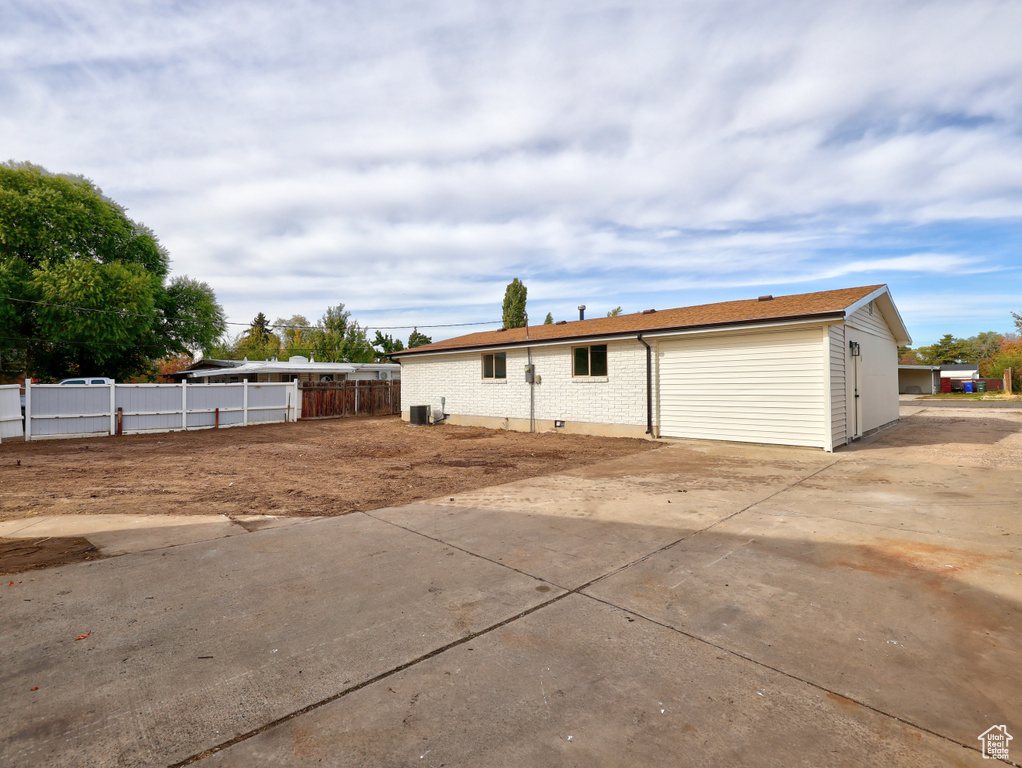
<point x="55" y="411"/>
<point x="10" y="412"/>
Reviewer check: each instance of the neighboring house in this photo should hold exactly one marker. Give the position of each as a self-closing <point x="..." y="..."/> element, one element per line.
<point x="295" y="369"/>
<point x="934" y="379"/>
<point x="918" y="379"/>
<point x="816" y="369"/>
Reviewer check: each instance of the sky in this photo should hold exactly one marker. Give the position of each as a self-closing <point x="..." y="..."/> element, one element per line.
<point x="410" y="158"/>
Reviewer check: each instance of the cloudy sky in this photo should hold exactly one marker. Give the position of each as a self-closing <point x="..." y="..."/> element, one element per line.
<point x="410" y="158"/>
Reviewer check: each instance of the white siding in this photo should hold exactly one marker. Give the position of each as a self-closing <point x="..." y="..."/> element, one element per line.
<point x="870" y="319"/>
<point x="617" y="398"/>
<point x="839" y="408"/>
<point x="765" y="387"/>
<point x="877" y="369"/>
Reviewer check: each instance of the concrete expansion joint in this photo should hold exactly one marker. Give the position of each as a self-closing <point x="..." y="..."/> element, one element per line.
<point x="791" y="676"/>
<point x="365" y="683"/>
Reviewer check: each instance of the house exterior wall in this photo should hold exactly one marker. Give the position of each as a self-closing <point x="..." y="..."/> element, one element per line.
<point x="614" y="404"/>
<point x="838" y="374"/>
<point x="875" y="371"/>
<point x="760" y="387"/>
<point x="923" y="379"/>
<point x="789" y="386"/>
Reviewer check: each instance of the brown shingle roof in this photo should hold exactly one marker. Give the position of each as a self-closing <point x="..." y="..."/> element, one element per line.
<point x="802" y="305"/>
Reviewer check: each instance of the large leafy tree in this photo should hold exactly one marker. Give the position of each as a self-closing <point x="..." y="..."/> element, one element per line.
<point x="514" y="304"/>
<point x="85" y="289"/>
<point x="342" y="339"/>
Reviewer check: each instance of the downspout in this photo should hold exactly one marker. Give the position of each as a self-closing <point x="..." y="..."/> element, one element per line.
<point x="649" y="385"/>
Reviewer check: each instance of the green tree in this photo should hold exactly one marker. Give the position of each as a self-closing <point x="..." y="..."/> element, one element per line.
<point x="106" y="307"/>
<point x="258" y="342"/>
<point x="514" y="304"/>
<point x="549" y="319"/>
<point x="614" y="312"/>
<point x="947" y="351"/>
<point x="981" y="346"/>
<point x="296" y="336"/>
<point x="342" y="339"/>
<point x="417" y="339"/>
<point x="386" y="344"/>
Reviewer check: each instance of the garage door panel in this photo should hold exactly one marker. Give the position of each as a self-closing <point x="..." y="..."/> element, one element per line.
<point x="764" y="388"/>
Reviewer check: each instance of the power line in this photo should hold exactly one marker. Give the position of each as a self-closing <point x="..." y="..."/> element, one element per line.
<point x="112" y="344"/>
<point x="125" y="313"/>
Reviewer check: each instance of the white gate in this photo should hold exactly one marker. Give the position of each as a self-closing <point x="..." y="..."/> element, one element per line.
<point x="10" y="411"/>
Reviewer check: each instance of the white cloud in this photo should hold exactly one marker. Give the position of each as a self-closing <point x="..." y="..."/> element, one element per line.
<point x="421" y="155"/>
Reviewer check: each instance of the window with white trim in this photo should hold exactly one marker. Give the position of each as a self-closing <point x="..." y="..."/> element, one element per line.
<point x="495" y="366"/>
<point x="589" y="361"/>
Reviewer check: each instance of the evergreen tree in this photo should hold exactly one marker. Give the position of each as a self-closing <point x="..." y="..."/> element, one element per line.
<point x="514" y="304"/>
<point x="418" y="339"/>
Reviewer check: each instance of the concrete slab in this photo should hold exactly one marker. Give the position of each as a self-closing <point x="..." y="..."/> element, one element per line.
<point x="120" y="534"/>
<point x="580" y="683"/>
<point x="185" y="647"/>
<point x="879" y="618"/>
<point x="978" y="510"/>
<point x="570" y="528"/>
<point x="956" y="436"/>
<point x="566" y="551"/>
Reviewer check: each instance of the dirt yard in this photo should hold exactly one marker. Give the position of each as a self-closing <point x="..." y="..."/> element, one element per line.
<point x="328" y="467"/>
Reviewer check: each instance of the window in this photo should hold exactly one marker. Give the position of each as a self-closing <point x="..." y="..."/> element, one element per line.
<point x="495" y="366"/>
<point x="589" y="361"/>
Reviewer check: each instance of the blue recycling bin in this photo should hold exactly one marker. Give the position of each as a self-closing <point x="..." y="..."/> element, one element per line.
<point x="967" y="387"/>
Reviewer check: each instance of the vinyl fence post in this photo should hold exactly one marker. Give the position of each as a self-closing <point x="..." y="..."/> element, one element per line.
<point x="184" y="404"/>
<point x="113" y="408"/>
<point x="28" y="409"/>
<point x="244" y="403"/>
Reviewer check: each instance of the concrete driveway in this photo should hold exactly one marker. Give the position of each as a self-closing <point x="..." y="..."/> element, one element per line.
<point x="704" y="604"/>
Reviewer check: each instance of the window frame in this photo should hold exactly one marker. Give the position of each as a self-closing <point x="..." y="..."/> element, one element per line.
<point x="493" y="356"/>
<point x="589" y="362"/>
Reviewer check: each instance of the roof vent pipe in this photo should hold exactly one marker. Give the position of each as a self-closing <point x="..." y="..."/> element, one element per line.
<point x="581" y="311"/>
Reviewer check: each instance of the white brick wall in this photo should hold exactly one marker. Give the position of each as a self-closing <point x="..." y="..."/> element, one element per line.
<point x="618" y="398"/>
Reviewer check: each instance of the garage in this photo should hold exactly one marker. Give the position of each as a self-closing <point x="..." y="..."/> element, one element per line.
<point x="758" y="388"/>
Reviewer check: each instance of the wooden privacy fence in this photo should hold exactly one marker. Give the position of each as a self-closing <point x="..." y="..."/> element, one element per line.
<point x="339" y="399"/>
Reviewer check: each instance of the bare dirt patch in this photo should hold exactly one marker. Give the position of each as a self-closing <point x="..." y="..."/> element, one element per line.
<point x="20" y="555"/>
<point x="309" y="468"/>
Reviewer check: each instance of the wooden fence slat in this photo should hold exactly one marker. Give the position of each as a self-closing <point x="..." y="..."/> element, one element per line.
<point x="341" y="399"/>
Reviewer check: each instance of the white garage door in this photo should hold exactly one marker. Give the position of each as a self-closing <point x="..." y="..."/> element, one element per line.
<point x="755" y="388"/>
